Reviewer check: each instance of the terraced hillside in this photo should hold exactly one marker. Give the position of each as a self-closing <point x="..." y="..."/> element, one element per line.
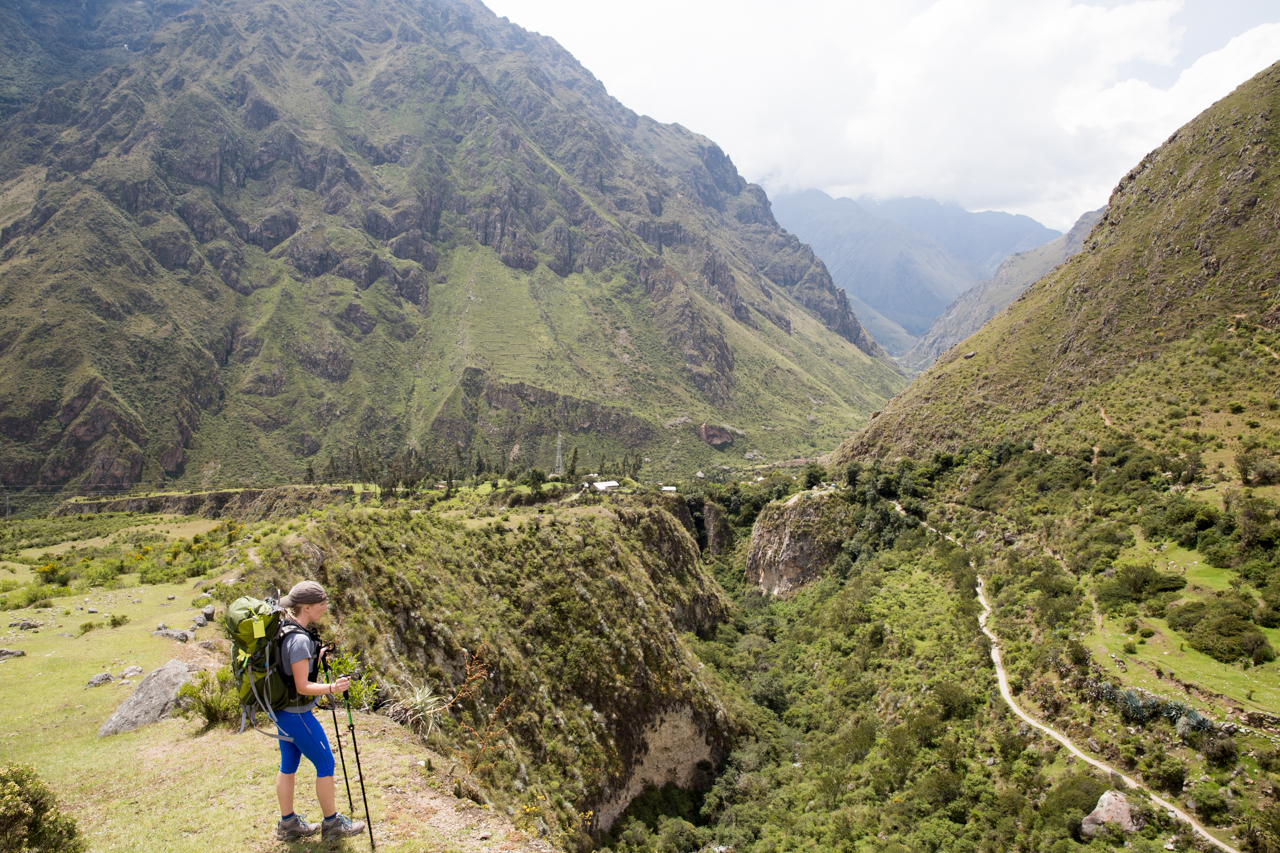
<point x="267" y="236"/>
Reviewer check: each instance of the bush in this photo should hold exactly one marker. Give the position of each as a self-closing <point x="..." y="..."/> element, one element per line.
<point x="214" y="699"/>
<point x="29" y="816"/>
<point x="1210" y="805"/>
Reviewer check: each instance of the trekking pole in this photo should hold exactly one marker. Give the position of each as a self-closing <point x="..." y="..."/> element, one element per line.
<point x="351" y="726"/>
<point x="333" y="707"/>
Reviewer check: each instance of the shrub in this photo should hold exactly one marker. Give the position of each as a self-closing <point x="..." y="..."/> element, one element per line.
<point x="117" y="620"/>
<point x="1210" y="805"/>
<point x="30" y="819"/>
<point x="214" y="699"/>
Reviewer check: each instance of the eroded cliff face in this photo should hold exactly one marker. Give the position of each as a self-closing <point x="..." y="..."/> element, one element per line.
<point x="578" y="613"/>
<point x="674" y="745"/>
<point x="793" y="542"/>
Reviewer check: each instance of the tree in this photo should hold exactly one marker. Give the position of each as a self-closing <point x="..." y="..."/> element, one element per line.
<point x="309" y="475"/>
<point x="536" y="478"/>
<point x="571" y="471"/>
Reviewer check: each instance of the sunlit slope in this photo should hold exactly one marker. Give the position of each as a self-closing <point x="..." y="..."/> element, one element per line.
<point x="1165" y="318"/>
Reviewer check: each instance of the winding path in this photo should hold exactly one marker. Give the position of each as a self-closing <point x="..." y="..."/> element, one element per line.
<point x="1007" y="695"/>
<point x="1062" y="739"/>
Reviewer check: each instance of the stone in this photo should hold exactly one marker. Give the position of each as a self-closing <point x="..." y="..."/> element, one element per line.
<point x="161" y="627"/>
<point x="92" y="610"/>
<point x="208" y="612"/>
<point x="12" y="653"/>
<point x="99" y="679"/>
<point x="199" y="621"/>
<point x="152" y="700"/>
<point x="1093" y="745"/>
<point x="131" y="671"/>
<point x="208" y="645"/>
<point x="24" y="625"/>
<point x="169" y="633"/>
<point x="171" y="597"/>
<point x="1113" y="807"/>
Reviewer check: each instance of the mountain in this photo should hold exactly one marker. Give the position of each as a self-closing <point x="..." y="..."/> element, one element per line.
<point x="270" y="237"/>
<point x="985" y="299"/>
<point x="902" y="261"/>
<point x="1161" y="329"/>
<point x="985" y="238"/>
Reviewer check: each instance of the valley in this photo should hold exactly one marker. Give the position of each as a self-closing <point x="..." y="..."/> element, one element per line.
<point x="635" y="538"/>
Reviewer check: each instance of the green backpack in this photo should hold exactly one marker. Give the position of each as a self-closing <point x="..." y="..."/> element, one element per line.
<point x="256" y="629"/>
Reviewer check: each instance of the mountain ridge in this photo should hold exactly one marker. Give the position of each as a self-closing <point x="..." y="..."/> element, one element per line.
<point x="283" y="232"/>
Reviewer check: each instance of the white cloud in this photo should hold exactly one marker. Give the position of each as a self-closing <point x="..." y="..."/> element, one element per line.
<point x="995" y="104"/>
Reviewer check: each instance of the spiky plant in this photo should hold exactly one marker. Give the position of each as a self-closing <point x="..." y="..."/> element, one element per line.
<point x="417" y="707"/>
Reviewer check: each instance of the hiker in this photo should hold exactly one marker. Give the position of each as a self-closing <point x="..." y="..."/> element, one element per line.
<point x="299" y="653"/>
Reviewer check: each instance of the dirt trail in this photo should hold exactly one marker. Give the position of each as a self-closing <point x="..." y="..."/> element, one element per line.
<point x="1007" y="695"/>
<point x="1106" y="420"/>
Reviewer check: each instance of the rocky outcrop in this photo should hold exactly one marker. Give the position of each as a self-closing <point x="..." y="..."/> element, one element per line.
<point x="153" y="700"/>
<point x="793" y="542"/>
<point x="672" y="747"/>
<point x="1113" y="807"/>
<point x="716" y="436"/>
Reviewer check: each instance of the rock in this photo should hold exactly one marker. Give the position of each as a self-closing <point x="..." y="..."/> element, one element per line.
<point x="1093" y="745"/>
<point x="24" y="625"/>
<point x="161" y="627"/>
<point x="971" y="354"/>
<point x="200" y="621"/>
<point x="12" y="653"/>
<point x="990" y="762"/>
<point x="180" y="636"/>
<point x="171" y="597"/>
<point x="99" y="679"/>
<point x="92" y="610"/>
<point x="131" y="671"/>
<point x="153" y="699"/>
<point x="715" y="436"/>
<point x="1113" y="807"/>
<point x="208" y="612"/>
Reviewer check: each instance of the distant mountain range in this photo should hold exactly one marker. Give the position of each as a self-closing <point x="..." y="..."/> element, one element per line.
<point x="985" y="299"/>
<point x="903" y="261"/>
<point x="240" y="239"/>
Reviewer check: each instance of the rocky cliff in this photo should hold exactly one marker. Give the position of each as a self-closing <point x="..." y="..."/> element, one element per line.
<point x="793" y="542"/>
<point x="579" y="615"/>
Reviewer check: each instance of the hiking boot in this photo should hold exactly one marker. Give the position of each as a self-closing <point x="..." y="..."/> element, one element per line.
<point x="340" y="826"/>
<point x="295" y="827"/>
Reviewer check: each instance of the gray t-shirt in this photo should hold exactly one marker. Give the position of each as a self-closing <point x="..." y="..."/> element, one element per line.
<point x="296" y="646"/>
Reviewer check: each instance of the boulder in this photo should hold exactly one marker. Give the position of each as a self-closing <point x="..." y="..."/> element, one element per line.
<point x="208" y="612"/>
<point x="180" y="636"/>
<point x="12" y="653"/>
<point x="200" y="621"/>
<point x="1113" y="807"/>
<point x="153" y="699"/>
<point x="131" y="671"/>
<point x="99" y="679"/>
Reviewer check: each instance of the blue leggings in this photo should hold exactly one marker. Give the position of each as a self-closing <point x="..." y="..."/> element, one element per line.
<point x="309" y="739"/>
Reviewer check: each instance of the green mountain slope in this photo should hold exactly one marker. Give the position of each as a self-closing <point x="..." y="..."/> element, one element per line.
<point x="1161" y="328"/>
<point x="987" y="298"/>
<point x="286" y="232"/>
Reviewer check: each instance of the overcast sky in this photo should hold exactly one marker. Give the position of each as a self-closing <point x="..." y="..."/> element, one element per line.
<point x="1030" y="107"/>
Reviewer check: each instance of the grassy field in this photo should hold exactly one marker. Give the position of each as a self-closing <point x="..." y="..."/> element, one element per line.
<point x="174" y="786"/>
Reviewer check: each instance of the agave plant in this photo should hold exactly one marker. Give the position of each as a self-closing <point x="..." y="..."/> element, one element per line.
<point x="1131" y="706"/>
<point x="417" y="707"/>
